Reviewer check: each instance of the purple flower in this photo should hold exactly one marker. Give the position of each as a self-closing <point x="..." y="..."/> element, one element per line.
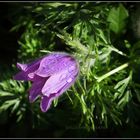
<point x="51" y="76"/>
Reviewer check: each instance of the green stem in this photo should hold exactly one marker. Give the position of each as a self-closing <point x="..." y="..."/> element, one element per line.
<point x="112" y="72"/>
<point x="116" y="50"/>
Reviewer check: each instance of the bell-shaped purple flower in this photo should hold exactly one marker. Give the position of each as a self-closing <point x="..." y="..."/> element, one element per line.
<point x="51" y="76"/>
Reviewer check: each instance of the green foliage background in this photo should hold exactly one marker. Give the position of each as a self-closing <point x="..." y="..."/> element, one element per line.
<point x="105" y="99"/>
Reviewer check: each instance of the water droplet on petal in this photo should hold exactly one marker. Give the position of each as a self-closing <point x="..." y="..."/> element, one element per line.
<point x="31" y="75"/>
<point x="62" y="77"/>
<point x="69" y="80"/>
<point x="65" y="64"/>
<point x="72" y="68"/>
<point x="45" y="94"/>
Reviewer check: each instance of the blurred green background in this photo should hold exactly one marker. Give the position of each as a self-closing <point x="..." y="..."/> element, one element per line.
<point x="105" y="40"/>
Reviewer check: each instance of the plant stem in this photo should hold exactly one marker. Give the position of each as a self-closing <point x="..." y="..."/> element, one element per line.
<point x="112" y="72"/>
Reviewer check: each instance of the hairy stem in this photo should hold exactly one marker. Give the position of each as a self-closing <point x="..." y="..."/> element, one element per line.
<point x="112" y="72"/>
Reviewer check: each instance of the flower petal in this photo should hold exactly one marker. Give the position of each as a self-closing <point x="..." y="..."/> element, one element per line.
<point x="21" y="76"/>
<point x="22" y="66"/>
<point x="65" y="87"/>
<point x="53" y="64"/>
<point x="46" y="102"/>
<point x="31" y="65"/>
<point x="59" y="80"/>
<point x="28" y="70"/>
<point x="35" y="90"/>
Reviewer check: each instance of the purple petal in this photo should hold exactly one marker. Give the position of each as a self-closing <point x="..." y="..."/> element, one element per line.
<point x="28" y="70"/>
<point x="31" y="65"/>
<point x="53" y="85"/>
<point x="65" y="87"/>
<point x="35" y="90"/>
<point x="53" y="64"/>
<point x="22" y="66"/>
<point x="59" y="80"/>
<point x="46" y="102"/>
<point x="21" y="76"/>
